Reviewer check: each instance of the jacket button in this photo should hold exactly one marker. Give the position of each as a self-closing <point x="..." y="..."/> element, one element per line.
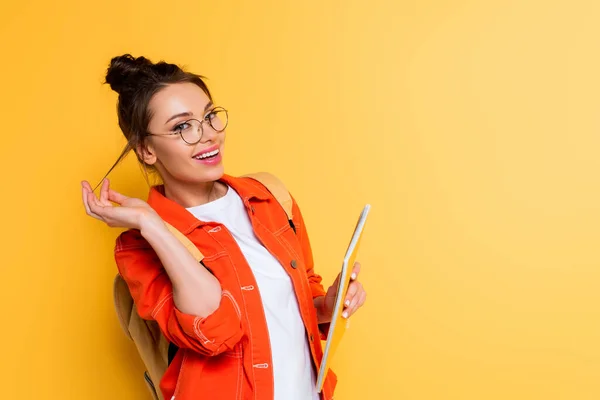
<point x="312" y="338"/>
<point x="294" y="264"/>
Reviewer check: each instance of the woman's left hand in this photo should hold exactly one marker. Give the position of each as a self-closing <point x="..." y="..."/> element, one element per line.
<point x="355" y="297"/>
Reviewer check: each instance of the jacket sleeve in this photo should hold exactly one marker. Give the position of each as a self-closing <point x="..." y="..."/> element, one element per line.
<point x="152" y="294"/>
<point x="314" y="279"/>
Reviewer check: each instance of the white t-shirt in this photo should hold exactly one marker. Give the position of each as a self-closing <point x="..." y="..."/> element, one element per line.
<point x="292" y="366"/>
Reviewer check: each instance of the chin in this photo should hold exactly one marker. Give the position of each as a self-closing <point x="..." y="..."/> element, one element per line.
<point x="213" y="173"/>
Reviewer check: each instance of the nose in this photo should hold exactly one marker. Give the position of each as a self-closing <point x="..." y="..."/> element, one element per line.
<point x="209" y="134"/>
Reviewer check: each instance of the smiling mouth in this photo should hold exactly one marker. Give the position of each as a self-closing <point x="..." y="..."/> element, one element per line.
<point x="206" y="155"/>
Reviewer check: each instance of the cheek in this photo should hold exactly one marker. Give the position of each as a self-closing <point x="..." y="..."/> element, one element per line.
<point x="173" y="155"/>
<point x="222" y="142"/>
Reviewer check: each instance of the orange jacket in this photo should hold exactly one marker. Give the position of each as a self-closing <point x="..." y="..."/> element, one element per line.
<point x="226" y="355"/>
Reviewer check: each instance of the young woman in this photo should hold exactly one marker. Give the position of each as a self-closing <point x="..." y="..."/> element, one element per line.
<point x="249" y="319"/>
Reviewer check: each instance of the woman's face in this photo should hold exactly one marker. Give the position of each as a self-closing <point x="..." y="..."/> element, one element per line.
<point x="176" y="160"/>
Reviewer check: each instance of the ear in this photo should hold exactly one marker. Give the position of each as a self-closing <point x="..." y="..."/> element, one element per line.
<point x="146" y="153"/>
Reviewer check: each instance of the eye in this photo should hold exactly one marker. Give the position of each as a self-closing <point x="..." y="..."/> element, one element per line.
<point x="181" y="127"/>
<point x="211" y="115"/>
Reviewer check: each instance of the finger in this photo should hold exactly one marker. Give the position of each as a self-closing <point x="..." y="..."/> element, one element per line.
<point x="356" y="297"/>
<point x="96" y="209"/>
<point x="88" y="188"/>
<point x="93" y="200"/>
<point x="85" y="192"/>
<point x="92" y="207"/>
<point x="351" y="311"/>
<point x="116" y="197"/>
<point x="104" y="192"/>
<point x="87" y="185"/>
<point x="363" y="298"/>
<point x="355" y="303"/>
<point x="350" y="305"/>
<point x="86" y="202"/>
<point x="89" y="202"/>
<point x="350" y="294"/>
<point x="355" y="271"/>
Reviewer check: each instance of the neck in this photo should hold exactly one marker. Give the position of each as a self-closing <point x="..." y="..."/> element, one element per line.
<point x="191" y="195"/>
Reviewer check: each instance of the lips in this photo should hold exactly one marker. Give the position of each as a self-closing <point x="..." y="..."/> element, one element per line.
<point x="207" y="153"/>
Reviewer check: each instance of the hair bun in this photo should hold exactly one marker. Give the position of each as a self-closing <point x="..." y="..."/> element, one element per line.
<point x="124" y="69"/>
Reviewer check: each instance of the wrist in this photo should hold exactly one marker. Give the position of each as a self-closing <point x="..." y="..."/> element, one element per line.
<point x="150" y="223"/>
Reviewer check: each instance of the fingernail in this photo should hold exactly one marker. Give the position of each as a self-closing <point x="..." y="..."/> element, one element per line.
<point x="353" y="276"/>
<point x="347" y="303"/>
<point x="345" y="314"/>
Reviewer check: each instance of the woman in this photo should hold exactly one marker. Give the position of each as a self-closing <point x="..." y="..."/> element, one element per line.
<point x="247" y="321"/>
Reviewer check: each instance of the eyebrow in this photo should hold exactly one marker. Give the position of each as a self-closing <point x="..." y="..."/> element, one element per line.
<point x="189" y="113"/>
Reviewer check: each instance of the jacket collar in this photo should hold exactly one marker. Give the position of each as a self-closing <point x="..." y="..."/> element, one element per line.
<point x="183" y="220"/>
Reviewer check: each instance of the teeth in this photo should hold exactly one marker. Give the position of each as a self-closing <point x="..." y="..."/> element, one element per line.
<point x="205" y="155"/>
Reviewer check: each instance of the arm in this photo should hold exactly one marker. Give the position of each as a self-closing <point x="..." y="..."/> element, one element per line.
<point x="195" y="290"/>
<point x="324" y="301"/>
<point x="164" y="279"/>
<point x="169" y="286"/>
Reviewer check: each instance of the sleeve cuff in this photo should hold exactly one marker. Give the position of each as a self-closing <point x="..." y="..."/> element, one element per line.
<point x="218" y="332"/>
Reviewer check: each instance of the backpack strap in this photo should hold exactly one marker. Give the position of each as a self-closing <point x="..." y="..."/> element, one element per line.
<point x="151" y="345"/>
<point x="186" y="242"/>
<point x="277" y="189"/>
<point x="123" y="303"/>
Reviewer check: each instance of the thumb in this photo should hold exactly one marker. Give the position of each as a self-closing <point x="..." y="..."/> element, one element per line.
<point x="116" y="197"/>
<point x="336" y="283"/>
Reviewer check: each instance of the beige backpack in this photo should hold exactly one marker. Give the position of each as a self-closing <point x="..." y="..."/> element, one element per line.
<point x="153" y="348"/>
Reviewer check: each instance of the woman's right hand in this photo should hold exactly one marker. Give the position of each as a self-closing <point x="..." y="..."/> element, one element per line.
<point x="129" y="213"/>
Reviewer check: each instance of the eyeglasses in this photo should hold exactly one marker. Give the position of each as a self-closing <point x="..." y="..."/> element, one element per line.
<point x="191" y="131"/>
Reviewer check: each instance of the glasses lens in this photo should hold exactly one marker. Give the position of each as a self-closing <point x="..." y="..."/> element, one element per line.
<point x="191" y="131"/>
<point x="218" y="119"/>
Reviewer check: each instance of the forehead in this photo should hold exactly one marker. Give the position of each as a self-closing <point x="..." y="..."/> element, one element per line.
<point x="178" y="98"/>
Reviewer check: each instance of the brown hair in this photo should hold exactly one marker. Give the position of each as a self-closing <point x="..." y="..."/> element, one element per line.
<point x="136" y="80"/>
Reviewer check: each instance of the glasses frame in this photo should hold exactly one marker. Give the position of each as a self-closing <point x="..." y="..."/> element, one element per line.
<point x="201" y="122"/>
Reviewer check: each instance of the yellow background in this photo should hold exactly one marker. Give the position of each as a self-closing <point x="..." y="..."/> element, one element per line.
<point x="472" y="127"/>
